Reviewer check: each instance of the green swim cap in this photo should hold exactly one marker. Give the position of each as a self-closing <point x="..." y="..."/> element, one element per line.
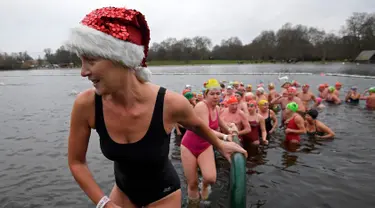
<point x="331" y="89"/>
<point x="372" y="90"/>
<point x="188" y="95"/>
<point x="293" y="106"/>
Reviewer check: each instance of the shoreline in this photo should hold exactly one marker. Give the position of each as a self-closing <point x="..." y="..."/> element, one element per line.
<point x="209" y="62"/>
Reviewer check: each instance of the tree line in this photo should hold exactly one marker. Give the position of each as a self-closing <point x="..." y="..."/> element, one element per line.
<point x="289" y="43"/>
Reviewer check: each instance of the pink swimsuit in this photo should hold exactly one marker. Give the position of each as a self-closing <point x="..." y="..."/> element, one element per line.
<point x="194" y="143"/>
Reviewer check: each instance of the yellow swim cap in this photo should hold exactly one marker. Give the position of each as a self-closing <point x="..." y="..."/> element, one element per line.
<point x="271" y="85"/>
<point x="212" y="84"/>
<point x="249" y="86"/>
<point x="262" y="102"/>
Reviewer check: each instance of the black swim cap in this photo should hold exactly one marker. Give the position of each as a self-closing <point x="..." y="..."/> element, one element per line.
<point x="239" y="93"/>
<point x="313" y="113"/>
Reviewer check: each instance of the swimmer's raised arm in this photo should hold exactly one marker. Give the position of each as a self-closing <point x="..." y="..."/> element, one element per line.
<point x="276" y="100"/>
<point x="80" y="130"/>
<point x="274" y="123"/>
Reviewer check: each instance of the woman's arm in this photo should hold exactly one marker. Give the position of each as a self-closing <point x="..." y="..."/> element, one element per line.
<point x="300" y="124"/>
<point x="223" y="127"/>
<point x="263" y="128"/>
<point x="245" y="123"/>
<point x="348" y="96"/>
<point x="276" y="100"/>
<point x="274" y="123"/>
<point x="77" y="147"/>
<point x="323" y="128"/>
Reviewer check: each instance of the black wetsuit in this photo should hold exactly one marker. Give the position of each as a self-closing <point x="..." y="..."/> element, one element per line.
<point x="142" y="169"/>
<point x="353" y="101"/>
<point x="313" y="133"/>
<point x="269" y="126"/>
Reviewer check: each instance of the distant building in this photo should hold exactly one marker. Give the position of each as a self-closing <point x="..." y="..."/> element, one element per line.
<point x="366" y="57"/>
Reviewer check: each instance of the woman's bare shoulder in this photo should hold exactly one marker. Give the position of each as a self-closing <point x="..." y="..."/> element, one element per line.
<point x="85" y="98"/>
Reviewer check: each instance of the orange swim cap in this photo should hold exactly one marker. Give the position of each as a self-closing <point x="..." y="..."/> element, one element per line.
<point x="232" y="100"/>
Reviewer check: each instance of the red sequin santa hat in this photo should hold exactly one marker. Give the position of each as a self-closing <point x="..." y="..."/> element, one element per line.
<point x="116" y="34"/>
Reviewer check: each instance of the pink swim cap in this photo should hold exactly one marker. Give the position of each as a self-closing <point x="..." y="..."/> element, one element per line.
<point x="318" y="100"/>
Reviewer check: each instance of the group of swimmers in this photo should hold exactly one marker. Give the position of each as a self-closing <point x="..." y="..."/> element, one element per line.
<point x="233" y="108"/>
<point x="134" y="117"/>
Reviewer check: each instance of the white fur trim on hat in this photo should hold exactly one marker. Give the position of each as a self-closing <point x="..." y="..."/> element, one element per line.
<point x="89" y="41"/>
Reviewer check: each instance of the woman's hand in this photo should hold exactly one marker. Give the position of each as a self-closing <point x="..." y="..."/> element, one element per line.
<point x="233" y="128"/>
<point x="265" y="142"/>
<point x="288" y="131"/>
<point x="228" y="148"/>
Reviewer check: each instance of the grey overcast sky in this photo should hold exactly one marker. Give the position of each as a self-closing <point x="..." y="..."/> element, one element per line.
<point x="32" y="25"/>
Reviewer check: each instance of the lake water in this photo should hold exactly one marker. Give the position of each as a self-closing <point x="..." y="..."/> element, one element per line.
<point x="35" y="112"/>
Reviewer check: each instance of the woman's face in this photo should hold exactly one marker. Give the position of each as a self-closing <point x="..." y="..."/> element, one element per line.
<point x="288" y="112"/>
<point x="104" y="74"/>
<point x="263" y="107"/>
<point x="251" y="107"/>
<point x="238" y="97"/>
<point x="308" y="118"/>
<point x="213" y="96"/>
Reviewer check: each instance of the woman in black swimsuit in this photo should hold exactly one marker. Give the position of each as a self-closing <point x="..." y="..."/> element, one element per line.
<point x="315" y="128"/>
<point x="353" y="96"/>
<point x="269" y="117"/>
<point x="132" y="117"/>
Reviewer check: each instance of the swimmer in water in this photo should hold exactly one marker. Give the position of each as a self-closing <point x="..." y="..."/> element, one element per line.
<point x="260" y="94"/>
<point x="285" y="87"/>
<point x="269" y="117"/>
<point x="318" y="104"/>
<point x="272" y="92"/>
<point x="331" y="97"/>
<point x="353" y="96"/>
<point x="200" y="97"/>
<point x="132" y="116"/>
<point x="236" y="85"/>
<point x="370" y="100"/>
<point x="228" y="92"/>
<point x="338" y="86"/>
<point x="306" y="96"/>
<point x="257" y="123"/>
<point x="272" y="95"/>
<point x="249" y="96"/>
<point x="295" y="125"/>
<point x="249" y="88"/>
<point x="323" y="91"/>
<point x="241" y="102"/>
<point x="233" y="114"/>
<point x="196" y="151"/>
<point x="315" y="128"/>
<point x="287" y="98"/>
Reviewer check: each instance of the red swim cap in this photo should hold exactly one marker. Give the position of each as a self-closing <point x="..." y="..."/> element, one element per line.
<point x="292" y="90"/>
<point x="338" y="84"/>
<point x="232" y="100"/>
